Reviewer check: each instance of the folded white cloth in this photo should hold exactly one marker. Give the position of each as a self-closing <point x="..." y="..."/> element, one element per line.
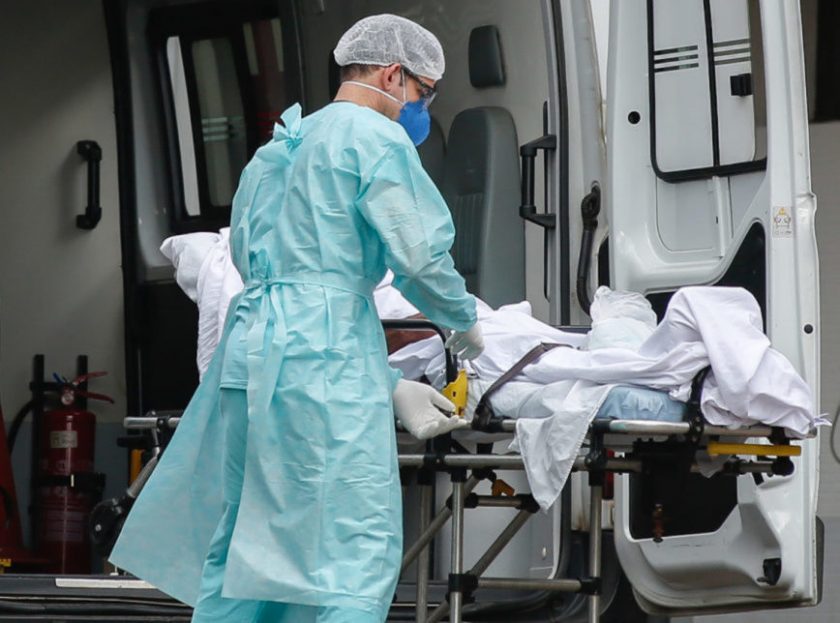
<point x="205" y="271"/>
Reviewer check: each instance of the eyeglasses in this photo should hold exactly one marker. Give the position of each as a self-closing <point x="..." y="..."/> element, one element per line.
<point x="427" y="91"/>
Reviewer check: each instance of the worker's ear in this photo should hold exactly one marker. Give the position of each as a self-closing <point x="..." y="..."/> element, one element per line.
<point x="391" y="77"/>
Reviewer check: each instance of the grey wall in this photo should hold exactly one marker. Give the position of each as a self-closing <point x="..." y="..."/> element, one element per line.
<point x="60" y="287"/>
<point x="825" y="166"/>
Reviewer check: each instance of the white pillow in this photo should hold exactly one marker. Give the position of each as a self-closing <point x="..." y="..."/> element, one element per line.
<point x="187" y="253"/>
<point x="620" y="319"/>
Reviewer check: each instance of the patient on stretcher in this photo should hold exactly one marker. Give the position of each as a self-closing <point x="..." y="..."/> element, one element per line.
<point x="651" y="366"/>
<point x="626" y="367"/>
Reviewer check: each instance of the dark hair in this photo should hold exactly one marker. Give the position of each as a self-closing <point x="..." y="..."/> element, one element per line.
<point x="356" y="70"/>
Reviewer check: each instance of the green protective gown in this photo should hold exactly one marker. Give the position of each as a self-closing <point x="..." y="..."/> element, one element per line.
<point x="321" y="211"/>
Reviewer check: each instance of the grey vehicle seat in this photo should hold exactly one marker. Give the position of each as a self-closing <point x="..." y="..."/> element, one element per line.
<point x="432" y="152"/>
<point x="481" y="184"/>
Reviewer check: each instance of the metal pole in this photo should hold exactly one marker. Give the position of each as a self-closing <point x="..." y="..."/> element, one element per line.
<point x="595" y="536"/>
<point x="492" y="501"/>
<point x="434" y="527"/>
<point x="647" y="427"/>
<point x="499" y="544"/>
<point x="136" y="487"/>
<point x="423" y="558"/>
<point x="508" y="462"/>
<point x="466" y="461"/>
<point x="489" y="556"/>
<point x="558" y="586"/>
<point x="456" y="597"/>
<point x="441" y="611"/>
<point x="437" y="615"/>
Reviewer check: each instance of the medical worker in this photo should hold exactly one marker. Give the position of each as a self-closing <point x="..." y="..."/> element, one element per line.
<point x="310" y="528"/>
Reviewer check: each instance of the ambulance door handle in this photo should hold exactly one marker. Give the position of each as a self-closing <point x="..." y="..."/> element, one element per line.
<point x="92" y="153"/>
<point x="528" y="152"/>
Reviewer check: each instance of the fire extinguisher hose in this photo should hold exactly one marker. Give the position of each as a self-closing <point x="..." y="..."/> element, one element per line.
<point x="14" y="428"/>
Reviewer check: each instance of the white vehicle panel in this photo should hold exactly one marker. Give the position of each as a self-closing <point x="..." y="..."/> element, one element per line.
<point x="690" y="223"/>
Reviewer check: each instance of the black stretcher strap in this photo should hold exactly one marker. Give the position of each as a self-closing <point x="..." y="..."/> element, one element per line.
<point x="693" y="412"/>
<point x="484" y="412"/>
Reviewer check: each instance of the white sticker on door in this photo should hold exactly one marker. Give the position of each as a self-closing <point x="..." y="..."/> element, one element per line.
<point x="782" y="223"/>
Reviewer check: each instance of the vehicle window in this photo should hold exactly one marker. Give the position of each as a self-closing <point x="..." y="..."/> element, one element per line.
<point x="226" y="83"/>
<point x="223" y="145"/>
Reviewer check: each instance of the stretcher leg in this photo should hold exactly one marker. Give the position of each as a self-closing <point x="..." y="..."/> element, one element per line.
<point x="455" y="594"/>
<point x="423" y="558"/>
<point x="595" y="537"/>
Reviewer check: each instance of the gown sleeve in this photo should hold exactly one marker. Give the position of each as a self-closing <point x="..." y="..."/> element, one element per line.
<point x="401" y="203"/>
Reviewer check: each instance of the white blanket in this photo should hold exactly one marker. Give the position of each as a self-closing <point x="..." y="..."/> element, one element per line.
<point x="704" y="326"/>
<point x="556" y="397"/>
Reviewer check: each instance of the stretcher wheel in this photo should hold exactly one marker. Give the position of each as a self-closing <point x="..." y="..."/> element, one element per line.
<point x="106" y="522"/>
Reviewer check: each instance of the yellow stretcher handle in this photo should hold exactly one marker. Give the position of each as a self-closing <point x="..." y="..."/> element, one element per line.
<point x="456" y="391"/>
<point x="715" y="448"/>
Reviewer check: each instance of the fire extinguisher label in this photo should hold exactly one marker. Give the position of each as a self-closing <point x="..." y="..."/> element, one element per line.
<point x="61" y="439"/>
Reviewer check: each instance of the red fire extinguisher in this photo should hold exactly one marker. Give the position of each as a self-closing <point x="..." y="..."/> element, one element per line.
<point x="67" y="486"/>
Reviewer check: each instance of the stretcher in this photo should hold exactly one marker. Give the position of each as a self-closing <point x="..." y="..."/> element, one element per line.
<point x="617" y="443"/>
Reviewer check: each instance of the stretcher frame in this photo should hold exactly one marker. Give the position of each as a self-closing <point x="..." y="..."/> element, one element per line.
<point x="603" y="435"/>
<point x="466" y="470"/>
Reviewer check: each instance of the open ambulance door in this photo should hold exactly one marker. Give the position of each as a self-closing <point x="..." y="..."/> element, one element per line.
<point x="709" y="183"/>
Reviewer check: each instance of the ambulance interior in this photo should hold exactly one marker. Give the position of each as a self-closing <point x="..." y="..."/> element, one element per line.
<point x="178" y="95"/>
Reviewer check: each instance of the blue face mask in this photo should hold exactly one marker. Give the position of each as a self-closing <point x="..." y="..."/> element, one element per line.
<point x="414" y="116"/>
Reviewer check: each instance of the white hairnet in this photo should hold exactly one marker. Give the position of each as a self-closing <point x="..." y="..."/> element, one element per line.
<point x="386" y="39"/>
